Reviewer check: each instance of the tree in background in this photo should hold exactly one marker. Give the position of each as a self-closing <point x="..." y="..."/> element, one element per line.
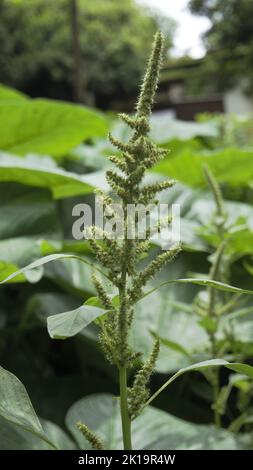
<point x="229" y="42"/>
<point x="37" y="46"/>
<point x="78" y="86"/>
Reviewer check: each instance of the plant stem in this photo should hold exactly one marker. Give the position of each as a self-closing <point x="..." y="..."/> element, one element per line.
<point x="236" y="425"/>
<point x="125" y="419"/>
<point x="214" y="274"/>
<point x="216" y="391"/>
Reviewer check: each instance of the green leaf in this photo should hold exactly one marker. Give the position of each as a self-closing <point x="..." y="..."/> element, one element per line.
<point x="7" y="93"/>
<point x="29" y="229"/>
<point x="239" y="220"/>
<point x="93" y="157"/>
<point x="232" y="165"/>
<point x="47" y="127"/>
<point x="16" y="407"/>
<point x="7" y="269"/>
<point x="67" y="324"/>
<point x="72" y="276"/>
<point x="242" y="327"/>
<point x="34" y="171"/>
<point x="241" y="382"/>
<point x="237" y="367"/>
<point x="197" y="213"/>
<point x="209" y="324"/>
<point x="58" y="436"/>
<point x="45" y="260"/>
<point x="13" y="437"/>
<point x="28" y="212"/>
<point x="241" y="369"/>
<point x="164" y="128"/>
<point x="157" y="314"/>
<point x="172" y="345"/>
<point x="203" y="282"/>
<point x="22" y="250"/>
<point x="153" y="429"/>
<point x="40" y="306"/>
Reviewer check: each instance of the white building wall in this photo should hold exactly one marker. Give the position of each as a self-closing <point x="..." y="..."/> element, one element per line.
<point x="235" y="101"/>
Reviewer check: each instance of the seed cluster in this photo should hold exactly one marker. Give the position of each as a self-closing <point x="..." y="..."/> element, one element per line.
<point x="122" y="257"/>
<point x="93" y="440"/>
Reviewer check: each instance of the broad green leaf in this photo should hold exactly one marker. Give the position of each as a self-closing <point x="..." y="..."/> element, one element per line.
<point x="99" y="412"/>
<point x="67" y="324"/>
<point x="237" y="367"/>
<point x="16" y="407"/>
<point x="177" y="145"/>
<point x="60" y="438"/>
<point x="241" y="242"/>
<point x="153" y="429"/>
<point x="28" y="212"/>
<point x="29" y="229"/>
<point x="7" y="93"/>
<point x="34" y="171"/>
<point x="156" y="313"/>
<point x="41" y="305"/>
<point x="13" y="437"/>
<point x="93" y="156"/>
<point x="47" y="127"/>
<point x="72" y="276"/>
<point x="164" y="128"/>
<point x="232" y="165"/>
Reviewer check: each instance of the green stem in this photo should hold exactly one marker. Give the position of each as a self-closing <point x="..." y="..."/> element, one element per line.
<point x="123" y="325"/>
<point x="216" y="391"/>
<point x="236" y="425"/>
<point x="125" y="418"/>
<point x="214" y="275"/>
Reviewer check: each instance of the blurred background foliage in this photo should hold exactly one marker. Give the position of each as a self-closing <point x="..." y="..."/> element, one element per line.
<point x="228" y="42"/>
<point x="115" y="39"/>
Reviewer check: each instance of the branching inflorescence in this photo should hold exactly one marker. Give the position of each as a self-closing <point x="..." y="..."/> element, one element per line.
<point x="121" y="257"/>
